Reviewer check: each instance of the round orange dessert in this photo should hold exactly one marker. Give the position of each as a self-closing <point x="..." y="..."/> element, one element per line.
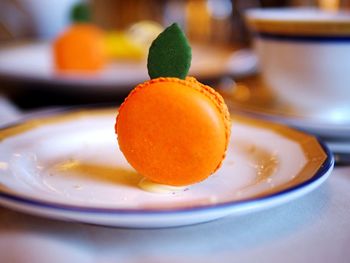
<point x="80" y="48"/>
<point x="173" y="131"/>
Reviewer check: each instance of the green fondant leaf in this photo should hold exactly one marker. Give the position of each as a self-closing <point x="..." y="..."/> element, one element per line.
<point x="170" y="54"/>
<point x="80" y="13"/>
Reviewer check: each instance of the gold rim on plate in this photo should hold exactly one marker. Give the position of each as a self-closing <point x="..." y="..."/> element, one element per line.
<point x="319" y="23"/>
<point x="313" y="151"/>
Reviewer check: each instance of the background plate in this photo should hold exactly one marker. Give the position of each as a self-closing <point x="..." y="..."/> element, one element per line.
<point x="32" y="62"/>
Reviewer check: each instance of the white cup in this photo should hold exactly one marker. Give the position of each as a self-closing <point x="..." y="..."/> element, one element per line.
<point x="304" y="57"/>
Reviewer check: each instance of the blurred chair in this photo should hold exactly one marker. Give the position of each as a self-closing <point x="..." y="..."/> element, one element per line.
<point x="15" y="21"/>
<point x="33" y="18"/>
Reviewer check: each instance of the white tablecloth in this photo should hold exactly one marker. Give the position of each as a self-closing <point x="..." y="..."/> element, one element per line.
<point x="315" y="228"/>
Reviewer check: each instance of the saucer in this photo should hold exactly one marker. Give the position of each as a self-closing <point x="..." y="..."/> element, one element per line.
<point x="252" y="97"/>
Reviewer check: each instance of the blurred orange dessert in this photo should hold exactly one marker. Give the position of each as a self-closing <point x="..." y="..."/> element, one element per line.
<point x="80" y="48"/>
<point x="172" y="129"/>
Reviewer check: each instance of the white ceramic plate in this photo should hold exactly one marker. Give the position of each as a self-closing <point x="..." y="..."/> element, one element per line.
<point x="255" y="99"/>
<point x="32" y="62"/>
<point x="69" y="167"/>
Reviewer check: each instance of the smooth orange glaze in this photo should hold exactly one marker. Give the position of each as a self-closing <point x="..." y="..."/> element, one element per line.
<point x="80" y="48"/>
<point x="173" y="131"/>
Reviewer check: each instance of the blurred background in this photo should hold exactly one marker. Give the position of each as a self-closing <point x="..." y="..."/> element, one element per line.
<point x="210" y="21"/>
<point x="215" y="28"/>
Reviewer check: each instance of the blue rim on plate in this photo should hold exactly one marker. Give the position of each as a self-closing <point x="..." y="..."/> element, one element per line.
<point x="303" y="38"/>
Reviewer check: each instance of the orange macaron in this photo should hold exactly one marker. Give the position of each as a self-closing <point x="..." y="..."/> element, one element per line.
<point x="174" y="131"/>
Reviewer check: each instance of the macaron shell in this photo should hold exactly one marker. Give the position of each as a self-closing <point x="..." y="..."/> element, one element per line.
<point x="221" y="106"/>
<point x="172" y="131"/>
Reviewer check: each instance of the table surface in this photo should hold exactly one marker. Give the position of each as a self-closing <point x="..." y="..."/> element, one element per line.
<point x="314" y="228"/>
